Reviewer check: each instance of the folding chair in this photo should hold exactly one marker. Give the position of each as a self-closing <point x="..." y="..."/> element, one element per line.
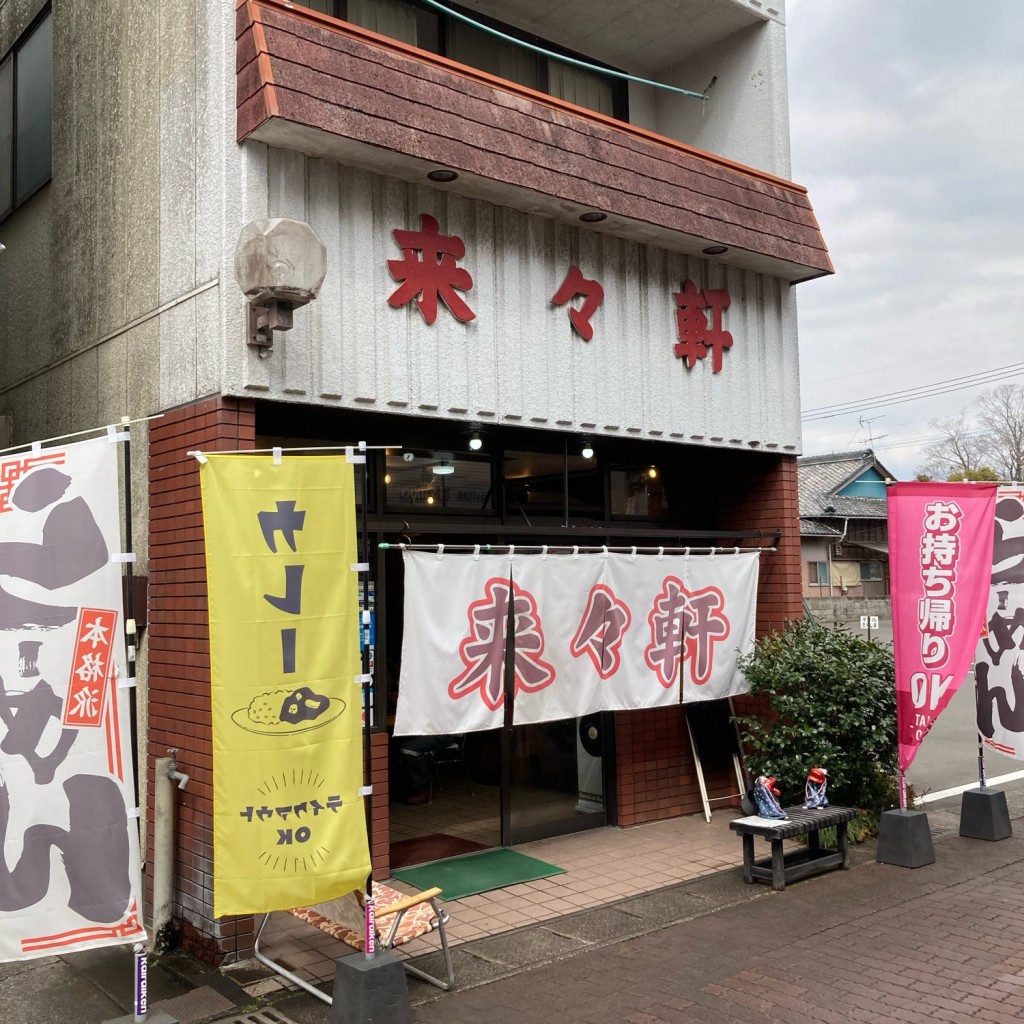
<point x="343" y="918"/>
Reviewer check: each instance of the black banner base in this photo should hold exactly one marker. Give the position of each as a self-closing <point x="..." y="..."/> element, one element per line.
<point x="370" y="991"/>
<point x="984" y="815"/>
<point x="904" y="839"/>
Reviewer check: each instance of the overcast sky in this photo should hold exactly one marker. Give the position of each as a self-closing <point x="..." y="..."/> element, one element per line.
<point x="907" y="123"/>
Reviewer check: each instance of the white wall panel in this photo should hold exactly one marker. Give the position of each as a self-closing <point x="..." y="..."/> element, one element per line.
<point x="519" y="360"/>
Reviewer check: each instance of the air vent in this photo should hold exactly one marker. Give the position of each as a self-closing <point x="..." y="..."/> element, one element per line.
<point x="267" y="1016"/>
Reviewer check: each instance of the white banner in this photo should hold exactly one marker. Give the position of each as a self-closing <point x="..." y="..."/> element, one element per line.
<point x="453" y="645"/>
<point x="999" y="662"/>
<point x="573" y="606"/>
<point x="70" y="876"/>
<point x="592" y="632"/>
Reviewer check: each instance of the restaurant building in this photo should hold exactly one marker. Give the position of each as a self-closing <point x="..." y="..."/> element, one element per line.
<point x="559" y="310"/>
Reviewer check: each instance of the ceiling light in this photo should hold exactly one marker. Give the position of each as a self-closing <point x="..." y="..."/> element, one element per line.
<point x="593" y="217"/>
<point x="653" y="472"/>
<point x="442" y="175"/>
<point x="476" y="442"/>
<point x="444" y="469"/>
<point x="387" y="478"/>
<point x="715" y="250"/>
<point x="587" y="451"/>
<point x="430" y="499"/>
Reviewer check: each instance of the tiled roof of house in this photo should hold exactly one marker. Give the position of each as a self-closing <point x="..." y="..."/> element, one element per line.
<point x="822" y="476"/>
<point x="813" y="528"/>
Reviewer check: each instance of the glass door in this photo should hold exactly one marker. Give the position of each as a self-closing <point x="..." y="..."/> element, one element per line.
<point x="554" y="778"/>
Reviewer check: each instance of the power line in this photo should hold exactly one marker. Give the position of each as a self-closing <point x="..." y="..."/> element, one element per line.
<point x="913" y="394"/>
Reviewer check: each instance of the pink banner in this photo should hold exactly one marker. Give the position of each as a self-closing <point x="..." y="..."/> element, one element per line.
<point x="940" y="543"/>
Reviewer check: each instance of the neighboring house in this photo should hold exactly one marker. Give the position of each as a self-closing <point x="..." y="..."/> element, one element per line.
<point x="617" y="266"/>
<point x="843" y="528"/>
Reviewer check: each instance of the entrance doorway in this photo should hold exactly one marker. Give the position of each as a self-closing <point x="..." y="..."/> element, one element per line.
<point x="499" y="787"/>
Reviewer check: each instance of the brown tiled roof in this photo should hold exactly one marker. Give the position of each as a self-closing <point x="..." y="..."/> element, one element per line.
<point x="301" y="69"/>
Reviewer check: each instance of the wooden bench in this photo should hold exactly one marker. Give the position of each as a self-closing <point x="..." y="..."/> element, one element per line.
<point x="812" y="859"/>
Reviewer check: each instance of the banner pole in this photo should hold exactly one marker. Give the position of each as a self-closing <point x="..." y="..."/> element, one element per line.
<point x="903" y="790"/>
<point x="141" y="958"/>
<point x="981" y="746"/>
<point x="129" y="604"/>
<point x="367" y="694"/>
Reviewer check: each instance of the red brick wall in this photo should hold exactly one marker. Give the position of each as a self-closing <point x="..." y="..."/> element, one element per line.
<point x="765" y="497"/>
<point x="656" y="775"/>
<point x="179" y="658"/>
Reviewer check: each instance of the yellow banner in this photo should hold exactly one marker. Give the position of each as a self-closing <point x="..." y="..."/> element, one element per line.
<point x="289" y="823"/>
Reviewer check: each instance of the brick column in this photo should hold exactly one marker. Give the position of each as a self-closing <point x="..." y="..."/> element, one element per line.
<point x="656" y="775"/>
<point x="179" y="658"/>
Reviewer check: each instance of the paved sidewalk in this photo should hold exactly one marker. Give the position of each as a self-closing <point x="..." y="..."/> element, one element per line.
<point x="875" y="944"/>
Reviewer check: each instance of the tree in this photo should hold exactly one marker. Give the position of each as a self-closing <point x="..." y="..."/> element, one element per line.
<point x="982" y="474"/>
<point x="1002" y="417"/>
<point x="990" y="449"/>
<point x="960" y="450"/>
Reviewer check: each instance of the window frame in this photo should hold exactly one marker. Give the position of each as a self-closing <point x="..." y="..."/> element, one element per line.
<point x="815" y="573"/>
<point x="11" y="58"/>
<point x="865" y="578"/>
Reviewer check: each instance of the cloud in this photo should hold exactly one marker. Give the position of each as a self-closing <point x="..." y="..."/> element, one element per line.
<point x="907" y="122"/>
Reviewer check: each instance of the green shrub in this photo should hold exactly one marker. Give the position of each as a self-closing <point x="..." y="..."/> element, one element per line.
<point x="832" y="703"/>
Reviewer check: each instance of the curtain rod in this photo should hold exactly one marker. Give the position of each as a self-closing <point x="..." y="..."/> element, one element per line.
<point x="550" y="549"/>
<point x="123" y="422"/>
<point x="358" y="446"/>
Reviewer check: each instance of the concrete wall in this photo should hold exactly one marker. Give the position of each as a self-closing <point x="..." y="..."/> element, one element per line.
<point x="519" y="360"/>
<point x="746" y="115"/>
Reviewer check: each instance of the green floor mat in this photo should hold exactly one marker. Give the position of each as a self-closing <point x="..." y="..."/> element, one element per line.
<point x="476" y="872"/>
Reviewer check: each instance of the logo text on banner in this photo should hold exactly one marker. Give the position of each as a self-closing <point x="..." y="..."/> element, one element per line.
<point x="940" y="539"/>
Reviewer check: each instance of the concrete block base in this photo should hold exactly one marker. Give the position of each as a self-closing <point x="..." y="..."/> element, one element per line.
<point x="984" y="815"/>
<point x="904" y="839"/>
<point x="370" y="991"/>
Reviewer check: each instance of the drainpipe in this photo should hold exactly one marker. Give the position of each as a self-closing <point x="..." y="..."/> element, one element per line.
<point x="167" y="780"/>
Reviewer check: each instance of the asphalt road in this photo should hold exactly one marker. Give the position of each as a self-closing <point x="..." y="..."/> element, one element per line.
<point x="948" y="757"/>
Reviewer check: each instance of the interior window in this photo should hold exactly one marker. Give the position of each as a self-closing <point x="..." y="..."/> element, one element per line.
<point x="638" y="492"/>
<point x="425" y="481"/>
<point x="33" y="76"/>
<point x="551" y="483"/>
<point x="498" y="57"/>
<point x="579" y="86"/>
<point x="6" y="134"/>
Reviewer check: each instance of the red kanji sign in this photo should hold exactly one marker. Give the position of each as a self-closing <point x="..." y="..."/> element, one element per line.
<point x="695" y="336"/>
<point x="685" y="625"/>
<point x="601" y="630"/>
<point x="433" y="274"/>
<point x="483" y="651"/>
<point x="91" y="668"/>
<point x="593" y="295"/>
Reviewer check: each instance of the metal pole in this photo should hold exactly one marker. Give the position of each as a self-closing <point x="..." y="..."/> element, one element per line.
<point x="367" y="694"/>
<point x="981" y="746"/>
<point x="141" y="961"/>
<point x="129" y="604"/>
